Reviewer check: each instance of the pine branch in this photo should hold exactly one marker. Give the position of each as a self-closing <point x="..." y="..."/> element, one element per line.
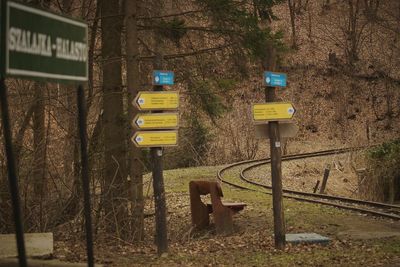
<point x="193" y="53"/>
<point x="187" y="28"/>
<point x="185" y="13"/>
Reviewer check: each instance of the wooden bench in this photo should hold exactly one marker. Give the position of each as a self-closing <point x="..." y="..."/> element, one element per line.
<point x="222" y="212"/>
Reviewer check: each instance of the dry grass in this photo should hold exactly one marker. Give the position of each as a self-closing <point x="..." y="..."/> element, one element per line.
<point x="252" y="242"/>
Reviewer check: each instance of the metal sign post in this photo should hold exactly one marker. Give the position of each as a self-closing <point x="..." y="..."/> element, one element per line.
<point x="85" y="173"/>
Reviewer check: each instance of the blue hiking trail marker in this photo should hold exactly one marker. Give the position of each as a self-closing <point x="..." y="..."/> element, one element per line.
<point x="275" y="79"/>
<point x="163" y="77"/>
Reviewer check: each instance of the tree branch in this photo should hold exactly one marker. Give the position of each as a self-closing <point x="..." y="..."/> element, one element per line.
<point x="172" y="15"/>
<point x="173" y="56"/>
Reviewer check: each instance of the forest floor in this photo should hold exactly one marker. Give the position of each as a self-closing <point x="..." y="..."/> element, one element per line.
<point x="357" y="240"/>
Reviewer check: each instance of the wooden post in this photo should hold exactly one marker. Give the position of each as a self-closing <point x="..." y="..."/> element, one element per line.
<point x="325" y="179"/>
<point x="276" y="173"/>
<point x="158" y="184"/>
<point x="316" y="187"/>
<point x="160" y="203"/>
<point x="12" y="174"/>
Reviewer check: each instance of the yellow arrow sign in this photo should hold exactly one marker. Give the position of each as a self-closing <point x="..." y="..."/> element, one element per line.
<point x="156" y="100"/>
<point x="156" y="121"/>
<point x="155" y="138"/>
<point x="273" y="111"/>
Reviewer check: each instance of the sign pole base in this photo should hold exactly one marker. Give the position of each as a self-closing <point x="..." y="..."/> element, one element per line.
<point x="159" y="199"/>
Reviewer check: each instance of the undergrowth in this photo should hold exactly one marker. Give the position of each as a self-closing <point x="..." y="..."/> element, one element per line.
<point x="382" y="181"/>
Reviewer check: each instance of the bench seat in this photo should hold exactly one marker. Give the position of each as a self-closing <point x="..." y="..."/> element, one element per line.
<point x="235" y="207"/>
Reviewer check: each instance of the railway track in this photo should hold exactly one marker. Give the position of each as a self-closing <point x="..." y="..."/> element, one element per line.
<point x="366" y="207"/>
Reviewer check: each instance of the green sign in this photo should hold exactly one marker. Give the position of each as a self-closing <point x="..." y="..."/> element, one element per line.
<point x="43" y="45"/>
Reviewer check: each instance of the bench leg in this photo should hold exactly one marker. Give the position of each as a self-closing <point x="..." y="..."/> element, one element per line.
<point x="200" y="218"/>
<point x="223" y="219"/>
<point x="199" y="211"/>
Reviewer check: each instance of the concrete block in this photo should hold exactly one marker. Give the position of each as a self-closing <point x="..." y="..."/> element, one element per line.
<point x="36" y="245"/>
<point x="308" y="238"/>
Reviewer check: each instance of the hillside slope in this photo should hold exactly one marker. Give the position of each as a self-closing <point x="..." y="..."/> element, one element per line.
<point x="338" y="103"/>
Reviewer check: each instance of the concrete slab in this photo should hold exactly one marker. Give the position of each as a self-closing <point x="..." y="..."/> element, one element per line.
<point x="36" y="245"/>
<point x="308" y="238"/>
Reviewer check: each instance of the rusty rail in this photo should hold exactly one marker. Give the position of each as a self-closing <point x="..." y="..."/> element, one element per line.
<point x="312" y="197"/>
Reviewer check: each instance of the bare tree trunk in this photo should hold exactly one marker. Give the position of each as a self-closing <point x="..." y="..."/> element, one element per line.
<point x="135" y="165"/>
<point x="292" y="11"/>
<point x="6" y="218"/>
<point x="371" y="8"/>
<point x="70" y="139"/>
<point x="71" y="152"/>
<point x="115" y="174"/>
<point x="92" y="46"/>
<point x="310" y="26"/>
<point x="325" y="5"/>
<point x="39" y="152"/>
<point x="19" y="138"/>
<point x="71" y="163"/>
<point x="352" y="48"/>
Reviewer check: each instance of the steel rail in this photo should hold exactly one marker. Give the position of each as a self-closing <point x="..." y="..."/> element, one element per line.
<point x="330" y="197"/>
<point x="318" y="153"/>
<point x="287" y="192"/>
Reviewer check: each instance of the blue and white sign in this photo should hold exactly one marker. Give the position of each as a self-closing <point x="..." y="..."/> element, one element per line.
<point x="163" y="77"/>
<point x="275" y="79"/>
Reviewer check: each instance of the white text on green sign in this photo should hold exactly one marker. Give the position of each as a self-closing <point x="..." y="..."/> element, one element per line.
<point x="273" y="111"/>
<point x="163" y="100"/>
<point x="156" y="121"/>
<point x="43" y="45"/>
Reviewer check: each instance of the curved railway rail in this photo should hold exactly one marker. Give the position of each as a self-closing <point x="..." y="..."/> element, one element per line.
<point x="367" y="207"/>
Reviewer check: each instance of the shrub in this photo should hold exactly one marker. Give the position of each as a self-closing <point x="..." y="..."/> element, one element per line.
<point x="382" y="182"/>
